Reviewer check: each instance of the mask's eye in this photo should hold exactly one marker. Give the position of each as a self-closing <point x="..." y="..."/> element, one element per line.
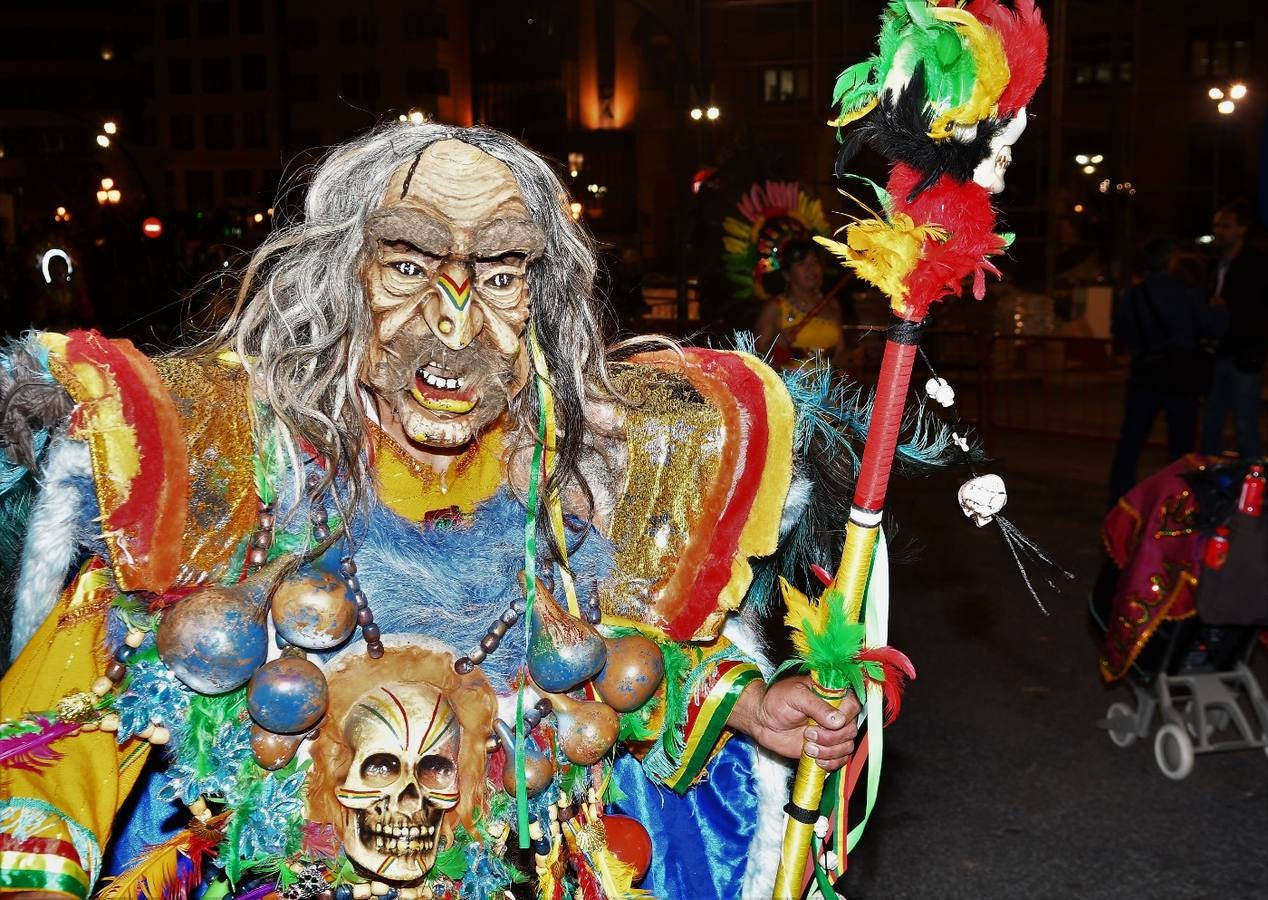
<point x="501" y="281"/>
<point x="408" y="269"/>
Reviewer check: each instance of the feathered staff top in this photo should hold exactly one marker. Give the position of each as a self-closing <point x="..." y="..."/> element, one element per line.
<point x="943" y="99"/>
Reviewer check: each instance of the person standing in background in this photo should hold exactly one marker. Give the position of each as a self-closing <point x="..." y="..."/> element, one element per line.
<point x="1241" y="287"/>
<point x="1160" y="320"/>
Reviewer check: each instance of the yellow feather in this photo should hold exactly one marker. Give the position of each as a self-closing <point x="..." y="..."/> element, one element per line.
<point x="859" y="113"/>
<point x="152" y="874"/>
<point x="616" y="877"/>
<point x="735" y="227"/>
<point x="992" y="73"/>
<point x="884" y="253"/>
<point x="802" y="613"/>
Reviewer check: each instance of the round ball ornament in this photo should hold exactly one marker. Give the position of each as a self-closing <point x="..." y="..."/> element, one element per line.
<point x="287" y="696"/>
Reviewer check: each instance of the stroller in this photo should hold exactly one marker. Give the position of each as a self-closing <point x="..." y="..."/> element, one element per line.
<point x="1182" y="614"/>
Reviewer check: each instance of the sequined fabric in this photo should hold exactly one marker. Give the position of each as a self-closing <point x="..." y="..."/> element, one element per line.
<point x="673" y="438"/>
<point x="211" y="397"/>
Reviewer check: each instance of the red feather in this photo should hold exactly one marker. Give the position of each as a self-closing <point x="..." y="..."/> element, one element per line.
<point x="896" y="669"/>
<point x="822" y="574"/>
<point x="32" y="751"/>
<point x="964" y="210"/>
<point x="1025" y="39"/>
<point x="588" y="884"/>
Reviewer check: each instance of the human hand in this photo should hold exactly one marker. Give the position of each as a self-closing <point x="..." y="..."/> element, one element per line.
<point x="775" y="717"/>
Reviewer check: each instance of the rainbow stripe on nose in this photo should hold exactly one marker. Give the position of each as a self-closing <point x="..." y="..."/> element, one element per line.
<point x="457" y="294"/>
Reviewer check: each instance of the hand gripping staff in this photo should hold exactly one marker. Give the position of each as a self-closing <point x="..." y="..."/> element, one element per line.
<point x="944" y="99"/>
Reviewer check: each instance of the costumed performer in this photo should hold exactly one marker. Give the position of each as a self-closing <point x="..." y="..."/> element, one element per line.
<point x="407" y="433"/>
<point x="801" y="323"/>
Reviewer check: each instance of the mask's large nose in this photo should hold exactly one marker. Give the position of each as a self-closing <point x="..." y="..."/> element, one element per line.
<point x="449" y="310"/>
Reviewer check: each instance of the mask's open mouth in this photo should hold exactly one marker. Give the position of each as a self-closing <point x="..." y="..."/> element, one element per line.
<point x="441" y="390"/>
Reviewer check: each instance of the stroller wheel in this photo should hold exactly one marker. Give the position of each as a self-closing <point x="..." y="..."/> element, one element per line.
<point x="1120" y="722"/>
<point x="1173" y="751"/>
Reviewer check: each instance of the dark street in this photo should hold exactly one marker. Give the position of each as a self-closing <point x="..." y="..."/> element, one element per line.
<point x="997" y="782"/>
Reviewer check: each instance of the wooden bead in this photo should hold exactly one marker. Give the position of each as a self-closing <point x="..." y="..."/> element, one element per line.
<point x="109" y="722"/>
<point x="116" y="671"/>
<point x="257" y="557"/>
<point x="361" y="891"/>
<point x="489" y="643"/>
<point x="365" y="617"/>
<point x="370" y="633"/>
<point x="199" y="806"/>
<point x="463" y="666"/>
<point x="378" y="889"/>
<point x="146" y="733"/>
<point x="477" y="655"/>
<point x="160" y="736"/>
<point x="375" y="650"/>
<point x="267" y="521"/>
<point x="102" y="686"/>
<point x="134" y="639"/>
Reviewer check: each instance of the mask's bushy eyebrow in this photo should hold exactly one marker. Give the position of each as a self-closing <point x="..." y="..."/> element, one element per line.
<point x="401" y="226"/>
<point x="502" y="237"/>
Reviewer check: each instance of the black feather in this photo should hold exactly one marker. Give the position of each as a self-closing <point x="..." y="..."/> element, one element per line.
<point x="898" y="129"/>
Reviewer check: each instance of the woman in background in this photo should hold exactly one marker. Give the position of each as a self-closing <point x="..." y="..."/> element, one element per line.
<point x="800" y="323"/>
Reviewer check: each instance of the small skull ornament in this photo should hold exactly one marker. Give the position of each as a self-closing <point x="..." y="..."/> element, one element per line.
<point x="982" y="497"/>
<point x="990" y="172"/>
<point x="403" y="778"/>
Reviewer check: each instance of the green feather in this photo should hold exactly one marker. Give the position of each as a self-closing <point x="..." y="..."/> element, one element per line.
<point x="450" y="862"/>
<point x="855" y="87"/>
<point x="830" y="652"/>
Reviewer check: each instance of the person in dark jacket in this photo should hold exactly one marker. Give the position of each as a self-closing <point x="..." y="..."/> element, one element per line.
<point x="1160" y="320"/>
<point x="1241" y="288"/>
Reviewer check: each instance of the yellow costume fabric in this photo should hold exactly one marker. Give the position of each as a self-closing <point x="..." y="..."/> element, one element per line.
<point x="819" y="333"/>
<point x="54" y="822"/>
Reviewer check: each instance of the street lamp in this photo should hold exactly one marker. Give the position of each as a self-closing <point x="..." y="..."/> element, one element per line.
<point x="697" y="113"/>
<point x="712" y="113"/>
<point x="103" y="141"/>
<point x="1224" y="97"/>
<point x="110" y="128"/>
<point x="108" y="194"/>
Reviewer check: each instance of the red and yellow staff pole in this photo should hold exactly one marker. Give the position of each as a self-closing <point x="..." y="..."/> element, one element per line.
<point x="851" y="579"/>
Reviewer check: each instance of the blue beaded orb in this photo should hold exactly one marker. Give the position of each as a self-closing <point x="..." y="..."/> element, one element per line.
<point x="214" y="639"/>
<point x="287" y="695"/>
<point x="314" y="611"/>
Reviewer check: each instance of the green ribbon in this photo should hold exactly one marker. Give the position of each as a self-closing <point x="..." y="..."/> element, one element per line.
<point x="530" y="596"/>
<point x="876" y="624"/>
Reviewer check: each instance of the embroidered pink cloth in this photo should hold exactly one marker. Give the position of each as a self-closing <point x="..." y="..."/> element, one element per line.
<point x="1150" y="535"/>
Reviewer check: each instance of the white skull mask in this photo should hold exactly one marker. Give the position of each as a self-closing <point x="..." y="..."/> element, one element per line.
<point x="982" y="497"/>
<point x="990" y="171"/>
<point x="403" y="777"/>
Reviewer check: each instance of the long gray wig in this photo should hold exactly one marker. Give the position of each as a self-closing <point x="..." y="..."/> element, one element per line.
<point x="301" y="323"/>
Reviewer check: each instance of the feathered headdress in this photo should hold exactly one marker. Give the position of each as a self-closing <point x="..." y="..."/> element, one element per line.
<point x="770" y="215"/>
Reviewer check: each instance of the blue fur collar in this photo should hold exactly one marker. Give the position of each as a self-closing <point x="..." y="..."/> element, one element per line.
<point x="450" y="583"/>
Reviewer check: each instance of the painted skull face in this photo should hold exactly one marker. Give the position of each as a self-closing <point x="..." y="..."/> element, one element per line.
<point x="990" y="172"/>
<point x="403" y="778"/>
<point x="447" y="282"/>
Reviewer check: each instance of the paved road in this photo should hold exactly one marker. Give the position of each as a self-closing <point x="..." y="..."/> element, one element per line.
<point x="997" y="782"/>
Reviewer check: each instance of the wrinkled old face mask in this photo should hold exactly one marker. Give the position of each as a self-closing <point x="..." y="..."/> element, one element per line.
<point x="447" y="283"/>
<point x="403" y="778"/>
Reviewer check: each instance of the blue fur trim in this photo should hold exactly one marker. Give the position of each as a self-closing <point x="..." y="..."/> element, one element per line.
<point x="11" y="473"/>
<point x="450" y="583"/>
